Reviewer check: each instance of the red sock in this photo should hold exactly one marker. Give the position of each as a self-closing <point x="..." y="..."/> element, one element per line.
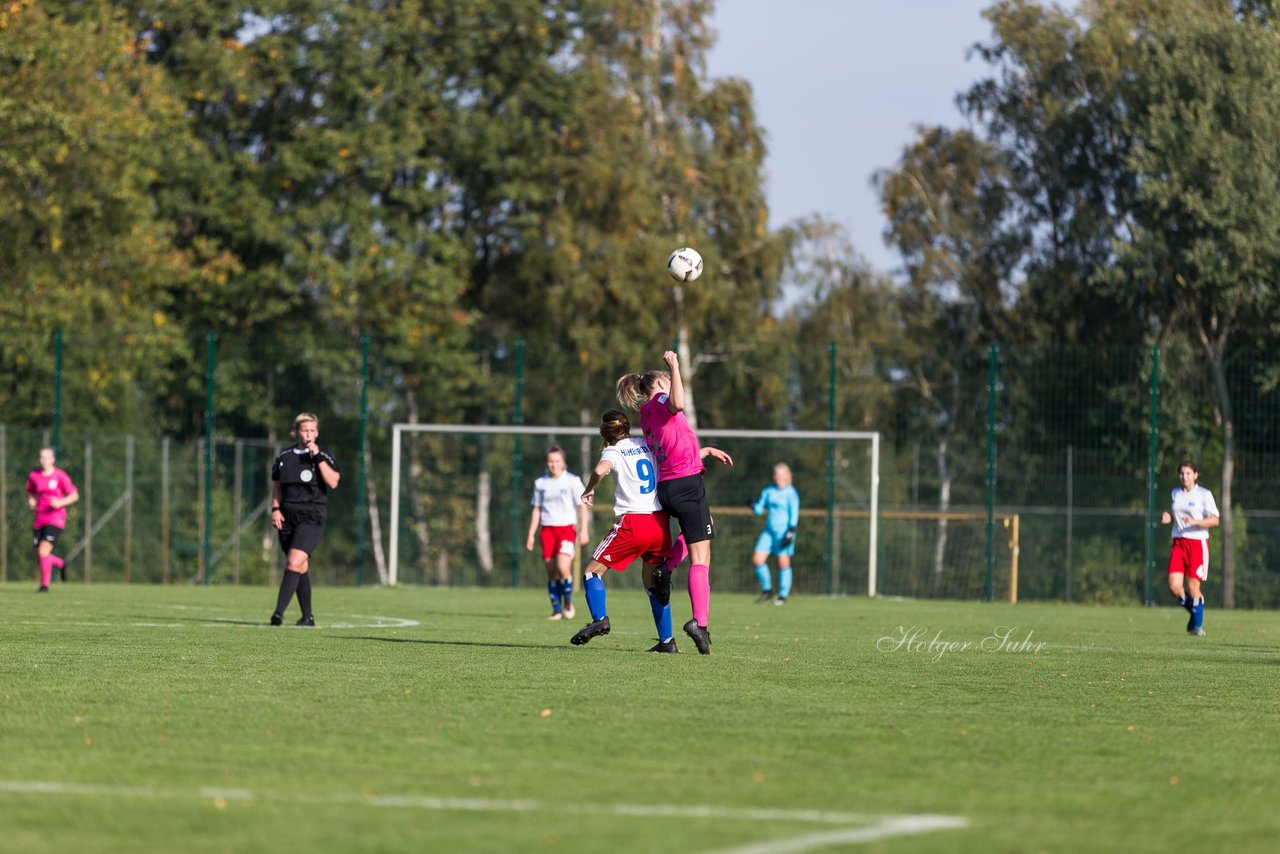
<point x="56" y="561"/>
<point x="46" y="570"/>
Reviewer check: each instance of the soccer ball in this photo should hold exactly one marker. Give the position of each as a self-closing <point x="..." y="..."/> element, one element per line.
<point x="685" y="265"/>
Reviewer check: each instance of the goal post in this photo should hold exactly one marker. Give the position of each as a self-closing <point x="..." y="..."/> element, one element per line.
<point x="463" y="475"/>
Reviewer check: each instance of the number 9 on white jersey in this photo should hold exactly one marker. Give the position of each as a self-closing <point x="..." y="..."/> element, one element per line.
<point x="637" y="474"/>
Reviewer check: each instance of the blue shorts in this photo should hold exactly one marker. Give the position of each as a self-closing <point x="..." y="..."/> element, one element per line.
<point x="770" y="543"/>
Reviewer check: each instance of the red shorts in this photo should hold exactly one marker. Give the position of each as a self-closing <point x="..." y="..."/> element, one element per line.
<point x="1189" y="557"/>
<point x="643" y="535"/>
<point x="557" y="540"/>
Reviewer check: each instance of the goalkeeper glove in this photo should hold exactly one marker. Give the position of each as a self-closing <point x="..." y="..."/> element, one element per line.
<point x="789" y="537"/>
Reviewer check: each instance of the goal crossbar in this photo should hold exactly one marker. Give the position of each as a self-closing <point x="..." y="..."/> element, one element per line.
<point x="398" y="431"/>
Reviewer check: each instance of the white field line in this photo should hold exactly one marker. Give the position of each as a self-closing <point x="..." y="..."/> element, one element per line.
<point x="378" y="622"/>
<point x="885" y="828"/>
<point x="870" y="827"/>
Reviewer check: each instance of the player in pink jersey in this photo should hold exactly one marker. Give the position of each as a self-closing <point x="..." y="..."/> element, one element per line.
<point x="49" y="493"/>
<point x="659" y="397"/>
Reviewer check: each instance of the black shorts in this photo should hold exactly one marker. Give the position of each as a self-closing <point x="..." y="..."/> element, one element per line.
<point x="303" y="527"/>
<point x="685" y="500"/>
<point x="45" y="534"/>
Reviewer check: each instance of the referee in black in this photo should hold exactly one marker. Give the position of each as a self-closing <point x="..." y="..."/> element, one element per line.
<point x="302" y="476"/>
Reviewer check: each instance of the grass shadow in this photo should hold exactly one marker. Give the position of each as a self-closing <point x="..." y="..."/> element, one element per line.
<point x="430" y="642"/>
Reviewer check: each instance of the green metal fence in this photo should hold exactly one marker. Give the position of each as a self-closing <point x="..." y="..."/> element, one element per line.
<point x="1029" y="467"/>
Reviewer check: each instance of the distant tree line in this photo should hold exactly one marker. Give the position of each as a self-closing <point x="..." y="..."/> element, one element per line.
<point x="445" y="176"/>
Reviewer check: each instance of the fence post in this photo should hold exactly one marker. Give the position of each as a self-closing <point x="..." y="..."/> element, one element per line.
<point x="57" y="392"/>
<point x="88" y="508"/>
<point x="237" y="509"/>
<point x="164" y="510"/>
<point x="829" y="557"/>
<point x="361" y="473"/>
<point x="992" y="353"/>
<point x="128" y="506"/>
<point x="517" y="462"/>
<point x="1152" y="442"/>
<point x="211" y="368"/>
<point x="1071" y="502"/>
<point x="4" y="505"/>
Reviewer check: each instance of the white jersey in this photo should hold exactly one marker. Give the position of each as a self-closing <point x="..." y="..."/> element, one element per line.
<point x="637" y="473"/>
<point x="1198" y="503"/>
<point x="558" y="497"/>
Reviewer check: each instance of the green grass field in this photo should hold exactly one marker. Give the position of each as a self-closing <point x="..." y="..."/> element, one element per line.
<point x="147" y="718"/>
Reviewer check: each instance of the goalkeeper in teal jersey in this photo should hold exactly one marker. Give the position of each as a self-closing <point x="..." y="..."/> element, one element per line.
<point x="780" y="504"/>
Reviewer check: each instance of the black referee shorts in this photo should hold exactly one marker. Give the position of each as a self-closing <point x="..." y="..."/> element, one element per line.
<point x="303" y="527"/>
<point x="685" y="499"/>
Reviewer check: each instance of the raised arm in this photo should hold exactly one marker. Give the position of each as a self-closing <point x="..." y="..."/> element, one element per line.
<point x="675" y="398"/>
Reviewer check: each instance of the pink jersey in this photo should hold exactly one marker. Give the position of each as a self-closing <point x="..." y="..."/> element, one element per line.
<point x="671" y="440"/>
<point x="46" y="487"/>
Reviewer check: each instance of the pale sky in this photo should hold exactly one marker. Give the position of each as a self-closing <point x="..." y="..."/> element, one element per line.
<point x="839" y="87"/>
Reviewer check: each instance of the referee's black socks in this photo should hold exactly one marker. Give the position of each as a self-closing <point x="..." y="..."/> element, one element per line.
<point x="288" y="586"/>
<point x="304" y="593"/>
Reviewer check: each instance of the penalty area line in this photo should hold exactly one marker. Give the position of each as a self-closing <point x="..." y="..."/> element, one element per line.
<point x="869" y="827"/>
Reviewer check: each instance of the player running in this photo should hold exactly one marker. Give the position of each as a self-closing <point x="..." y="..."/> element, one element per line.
<point x="782" y="503"/>
<point x="1194" y="513"/>
<point x="557" y="502"/>
<point x="49" y="493"/>
<point x="659" y="397"/>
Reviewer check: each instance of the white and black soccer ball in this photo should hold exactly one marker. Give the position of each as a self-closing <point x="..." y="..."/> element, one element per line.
<point x="685" y="264"/>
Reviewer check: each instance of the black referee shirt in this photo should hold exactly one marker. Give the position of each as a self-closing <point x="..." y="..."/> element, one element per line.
<point x="300" y="480"/>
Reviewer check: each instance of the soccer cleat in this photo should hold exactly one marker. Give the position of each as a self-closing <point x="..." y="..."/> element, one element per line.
<point x="1195" y="633"/>
<point x="569" y="612"/>
<point x="277" y="619"/>
<point x="556" y="615"/>
<point x="309" y="621"/>
<point x="701" y="636"/>
<point x="662" y="585"/>
<point x="62" y="572"/>
<point x="664" y="646"/>
<point x="781" y="601"/>
<point x="43" y="589"/>
<point x="765" y="596"/>
<point x="593" y="629"/>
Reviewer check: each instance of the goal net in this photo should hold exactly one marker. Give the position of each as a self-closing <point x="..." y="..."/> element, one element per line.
<point x="460" y="504"/>
<point x="930" y="554"/>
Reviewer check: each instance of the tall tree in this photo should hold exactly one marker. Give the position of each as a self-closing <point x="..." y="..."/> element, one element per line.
<point x="1205" y="242"/>
<point x="948" y="203"/>
<point x="85" y="126"/>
